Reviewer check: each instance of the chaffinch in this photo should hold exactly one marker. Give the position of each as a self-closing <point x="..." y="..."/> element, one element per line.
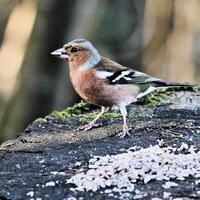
<point x="103" y="82"/>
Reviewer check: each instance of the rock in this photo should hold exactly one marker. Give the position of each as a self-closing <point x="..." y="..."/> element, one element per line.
<point x="39" y="162"/>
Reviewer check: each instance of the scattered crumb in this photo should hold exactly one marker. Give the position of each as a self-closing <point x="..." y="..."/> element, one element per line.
<point x="123" y="170"/>
<point x="139" y="194"/>
<point x="184" y="146"/>
<point x="169" y="184"/>
<point x="42" y="161"/>
<point x="50" y="184"/>
<point x="18" y="166"/>
<point x="57" y="173"/>
<point x="78" y="164"/>
<point x="197" y="182"/>
<point x="108" y="191"/>
<point x="71" y="198"/>
<point x="166" y="195"/>
<point x="160" y="142"/>
<point x="125" y="196"/>
<point x="30" y="194"/>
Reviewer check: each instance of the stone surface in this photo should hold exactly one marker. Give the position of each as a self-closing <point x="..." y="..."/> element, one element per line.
<point x="37" y="164"/>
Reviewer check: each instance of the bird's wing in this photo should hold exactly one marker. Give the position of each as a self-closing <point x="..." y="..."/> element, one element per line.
<point x="114" y="73"/>
<point x="108" y="65"/>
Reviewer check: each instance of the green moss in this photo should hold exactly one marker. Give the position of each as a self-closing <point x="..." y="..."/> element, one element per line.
<point x="60" y="115"/>
<point x="108" y="115"/>
<point x="195" y="88"/>
<point x="6" y="144"/>
<point x="156" y="97"/>
<point x="75" y="110"/>
<point x="161" y="94"/>
<point x="40" y="121"/>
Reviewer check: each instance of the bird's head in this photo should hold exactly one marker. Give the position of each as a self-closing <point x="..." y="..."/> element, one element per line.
<point x="79" y="53"/>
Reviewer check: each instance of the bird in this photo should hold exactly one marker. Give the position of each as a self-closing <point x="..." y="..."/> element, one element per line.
<point x="104" y="82"/>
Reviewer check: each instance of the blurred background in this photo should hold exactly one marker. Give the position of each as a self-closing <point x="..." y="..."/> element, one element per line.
<point x="161" y="38"/>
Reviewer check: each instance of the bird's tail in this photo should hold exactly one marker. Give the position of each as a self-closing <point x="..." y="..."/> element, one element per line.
<point x="160" y="83"/>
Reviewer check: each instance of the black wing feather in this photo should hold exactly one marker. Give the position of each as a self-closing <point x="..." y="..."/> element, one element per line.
<point x="119" y="74"/>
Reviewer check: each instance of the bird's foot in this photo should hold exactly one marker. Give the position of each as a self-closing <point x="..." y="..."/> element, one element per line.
<point x="89" y="126"/>
<point x="125" y="131"/>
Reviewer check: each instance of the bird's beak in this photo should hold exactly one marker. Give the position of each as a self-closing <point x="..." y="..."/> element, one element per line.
<point x="60" y="53"/>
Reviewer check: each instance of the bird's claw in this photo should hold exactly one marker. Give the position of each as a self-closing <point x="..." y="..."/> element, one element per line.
<point x="125" y="132"/>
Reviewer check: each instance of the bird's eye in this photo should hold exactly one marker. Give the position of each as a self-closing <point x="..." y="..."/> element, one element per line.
<point x="74" y="49"/>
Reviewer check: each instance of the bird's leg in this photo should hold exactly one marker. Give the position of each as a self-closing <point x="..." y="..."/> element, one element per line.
<point x="92" y="123"/>
<point x="125" y="130"/>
